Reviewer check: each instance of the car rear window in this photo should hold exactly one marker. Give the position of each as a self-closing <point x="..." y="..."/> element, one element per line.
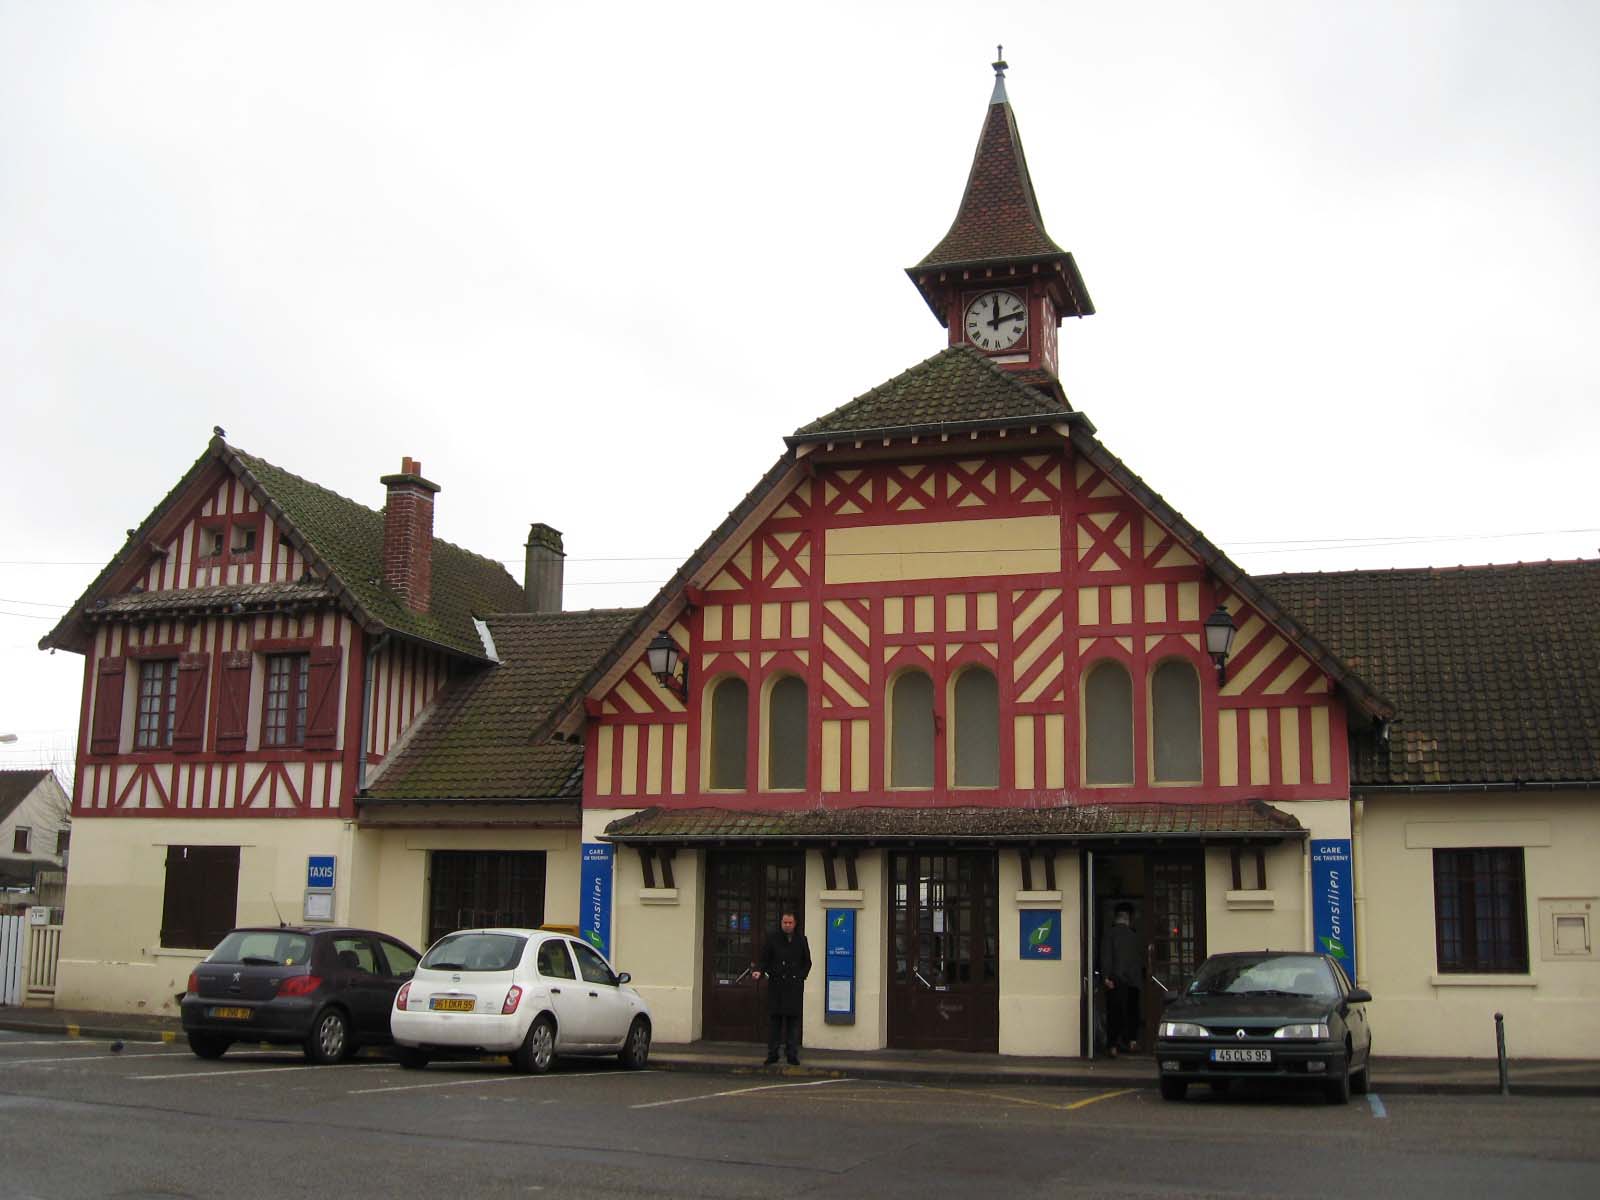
<point x="262" y="948"/>
<point x="475" y="952"/>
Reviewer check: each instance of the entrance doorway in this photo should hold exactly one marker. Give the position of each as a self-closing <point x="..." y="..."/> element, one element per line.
<point x="745" y="896"/>
<point x="472" y="890"/>
<point x="944" y="989"/>
<point x="1167" y="894"/>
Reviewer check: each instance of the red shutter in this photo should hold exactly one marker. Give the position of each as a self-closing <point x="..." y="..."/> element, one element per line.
<point x="322" y="698"/>
<point x="106" y="733"/>
<point x="233" y="702"/>
<point x="189" y="729"/>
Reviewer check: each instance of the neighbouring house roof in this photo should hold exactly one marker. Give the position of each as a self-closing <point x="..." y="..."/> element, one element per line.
<point x="343" y="541"/>
<point x="957" y="388"/>
<point x="245" y="597"/>
<point x="17" y="786"/>
<point x="475" y="744"/>
<point x="1494" y="671"/>
<point x="1247" y="820"/>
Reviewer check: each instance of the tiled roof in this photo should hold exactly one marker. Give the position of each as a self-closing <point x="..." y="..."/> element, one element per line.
<point x="477" y="743"/>
<point x="15" y="786"/>
<point x="957" y="386"/>
<point x="340" y="536"/>
<point x="999" y="214"/>
<point x="349" y="538"/>
<point x="1494" y="671"/>
<point x="250" y="596"/>
<point x="1253" y="818"/>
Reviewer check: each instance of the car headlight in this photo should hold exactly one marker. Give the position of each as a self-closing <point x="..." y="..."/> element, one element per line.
<point x="1183" y="1029"/>
<point x="1313" y="1031"/>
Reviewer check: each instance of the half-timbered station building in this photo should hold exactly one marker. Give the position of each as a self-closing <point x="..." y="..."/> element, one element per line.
<point x="951" y="682"/>
<point x="256" y="657"/>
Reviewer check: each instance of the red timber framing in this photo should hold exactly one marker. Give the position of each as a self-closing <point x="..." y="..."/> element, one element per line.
<point x="1107" y="581"/>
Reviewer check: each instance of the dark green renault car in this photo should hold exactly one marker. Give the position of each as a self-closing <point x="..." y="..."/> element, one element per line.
<point x="1267" y="1015"/>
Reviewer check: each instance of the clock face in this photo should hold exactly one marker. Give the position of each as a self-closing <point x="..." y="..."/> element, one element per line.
<point x="996" y="320"/>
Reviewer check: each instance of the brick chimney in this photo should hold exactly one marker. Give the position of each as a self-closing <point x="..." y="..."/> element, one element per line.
<point x="545" y="567"/>
<point x="408" y="535"/>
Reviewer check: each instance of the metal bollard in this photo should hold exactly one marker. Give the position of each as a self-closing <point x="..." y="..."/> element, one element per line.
<point x="1500" y="1050"/>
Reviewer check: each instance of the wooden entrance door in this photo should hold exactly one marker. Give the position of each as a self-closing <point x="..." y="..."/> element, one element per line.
<point x="1175" y="930"/>
<point x="944" y="989"/>
<point x="746" y="893"/>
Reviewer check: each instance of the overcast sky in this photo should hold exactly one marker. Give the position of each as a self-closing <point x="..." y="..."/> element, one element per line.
<point x="589" y="263"/>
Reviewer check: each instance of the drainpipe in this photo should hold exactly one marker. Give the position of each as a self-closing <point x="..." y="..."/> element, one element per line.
<point x="1309" y="933"/>
<point x="1358" y="875"/>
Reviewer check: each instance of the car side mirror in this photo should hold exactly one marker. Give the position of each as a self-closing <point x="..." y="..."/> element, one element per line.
<point x="623" y="978"/>
<point x="1358" y="996"/>
<point x="1168" y="997"/>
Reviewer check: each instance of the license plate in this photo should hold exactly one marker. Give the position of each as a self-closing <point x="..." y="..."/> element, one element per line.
<point x="451" y="1003"/>
<point x="1241" y="1055"/>
<point x="229" y="1014"/>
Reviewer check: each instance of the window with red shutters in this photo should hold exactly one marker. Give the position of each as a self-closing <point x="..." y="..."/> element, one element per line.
<point x="106" y="732"/>
<point x="233" y="702"/>
<point x="189" y="730"/>
<point x="322" y="699"/>
<point x="158" y="704"/>
<point x="283" y="713"/>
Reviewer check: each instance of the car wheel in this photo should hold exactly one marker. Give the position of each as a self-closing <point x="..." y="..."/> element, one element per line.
<point x="1361" y="1081"/>
<point x="1174" y="1089"/>
<point x="208" y="1046"/>
<point x="636" y="1050"/>
<point x="330" y="1038"/>
<point x="410" y="1058"/>
<point x="1338" y="1087"/>
<point x="538" y="1049"/>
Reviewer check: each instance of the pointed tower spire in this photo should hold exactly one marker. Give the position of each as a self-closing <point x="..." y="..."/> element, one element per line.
<point x="998" y="240"/>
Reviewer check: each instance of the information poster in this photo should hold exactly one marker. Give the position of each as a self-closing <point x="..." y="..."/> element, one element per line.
<point x="841" y="967"/>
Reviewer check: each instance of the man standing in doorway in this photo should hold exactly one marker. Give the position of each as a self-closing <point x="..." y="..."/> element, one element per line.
<point x="785" y="961"/>
<point x="1122" y="968"/>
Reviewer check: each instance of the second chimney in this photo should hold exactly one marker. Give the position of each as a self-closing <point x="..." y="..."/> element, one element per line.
<point x="408" y="535"/>
<point x="542" y="576"/>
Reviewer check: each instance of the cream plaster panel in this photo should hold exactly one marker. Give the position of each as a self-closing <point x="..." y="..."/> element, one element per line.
<point x="1040" y="1009"/>
<point x="660" y="945"/>
<point x="1550" y="1012"/>
<point x="1462" y="835"/>
<point x="1280" y="927"/>
<point x="871" y="1029"/>
<point x="111" y="954"/>
<point x="943" y="550"/>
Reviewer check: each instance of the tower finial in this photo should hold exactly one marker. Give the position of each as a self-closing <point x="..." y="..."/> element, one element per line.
<point x="999" y="65"/>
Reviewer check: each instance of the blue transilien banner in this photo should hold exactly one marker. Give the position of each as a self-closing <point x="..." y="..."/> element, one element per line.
<point x="1333" y="920"/>
<point x="594" y="901"/>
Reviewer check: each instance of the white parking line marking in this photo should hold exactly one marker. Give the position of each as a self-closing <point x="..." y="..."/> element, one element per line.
<point x="241" y="1072"/>
<point x="739" y="1092"/>
<point x="412" y="1087"/>
<point x="1377" y="1105"/>
<point x="67" y="1043"/>
<point x="75" y="1058"/>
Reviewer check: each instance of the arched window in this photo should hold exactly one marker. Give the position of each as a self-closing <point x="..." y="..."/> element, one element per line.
<point x="977" y="740"/>
<point x="730" y="717"/>
<point x="911" y="739"/>
<point x="1108" y="724"/>
<point x="786" y="734"/>
<point x="1175" y="722"/>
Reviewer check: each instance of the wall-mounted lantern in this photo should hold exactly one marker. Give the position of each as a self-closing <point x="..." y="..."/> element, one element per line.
<point x="1219" y="640"/>
<point x="668" y="665"/>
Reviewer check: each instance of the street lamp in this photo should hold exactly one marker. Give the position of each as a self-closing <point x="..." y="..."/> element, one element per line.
<point x="665" y="659"/>
<point x="1219" y="640"/>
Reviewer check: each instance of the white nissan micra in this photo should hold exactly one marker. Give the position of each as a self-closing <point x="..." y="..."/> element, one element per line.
<point x="528" y="993"/>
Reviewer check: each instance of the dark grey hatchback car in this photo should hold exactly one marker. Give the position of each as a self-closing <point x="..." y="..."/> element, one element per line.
<point x="1267" y="1015"/>
<point x="325" y="990"/>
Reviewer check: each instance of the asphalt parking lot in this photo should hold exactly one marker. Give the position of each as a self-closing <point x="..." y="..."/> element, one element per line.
<point x="153" y="1120"/>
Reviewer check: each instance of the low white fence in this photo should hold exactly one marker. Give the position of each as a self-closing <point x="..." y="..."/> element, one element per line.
<point x="28" y="955"/>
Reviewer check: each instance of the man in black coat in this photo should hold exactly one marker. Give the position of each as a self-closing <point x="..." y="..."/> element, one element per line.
<point x="785" y="962"/>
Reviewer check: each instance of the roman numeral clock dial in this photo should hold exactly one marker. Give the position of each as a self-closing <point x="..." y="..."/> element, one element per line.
<point x="996" y="320"/>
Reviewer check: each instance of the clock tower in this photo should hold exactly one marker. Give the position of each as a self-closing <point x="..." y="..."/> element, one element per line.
<point x="996" y="281"/>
